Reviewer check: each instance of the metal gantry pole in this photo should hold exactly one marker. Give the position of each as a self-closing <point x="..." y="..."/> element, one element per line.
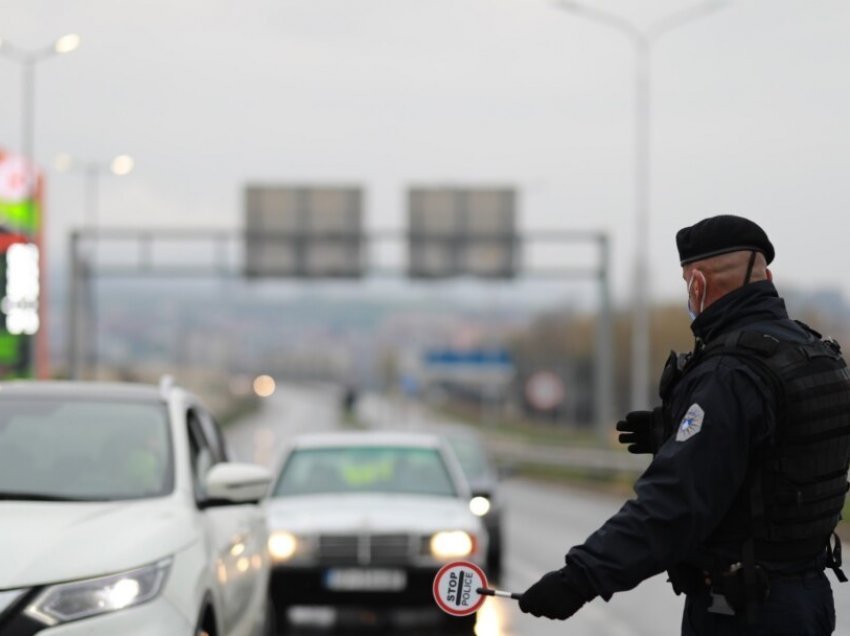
<point x="604" y="367"/>
<point x="82" y="328"/>
<point x="76" y="319"/>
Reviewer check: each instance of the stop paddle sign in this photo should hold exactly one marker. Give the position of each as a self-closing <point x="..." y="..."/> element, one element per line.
<point x="460" y="588"/>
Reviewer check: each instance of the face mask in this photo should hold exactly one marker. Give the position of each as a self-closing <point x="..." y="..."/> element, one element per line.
<point x="691" y="312"/>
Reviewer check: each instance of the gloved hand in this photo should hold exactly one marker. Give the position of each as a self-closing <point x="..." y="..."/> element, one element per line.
<point x="643" y="431"/>
<point x="551" y="597"/>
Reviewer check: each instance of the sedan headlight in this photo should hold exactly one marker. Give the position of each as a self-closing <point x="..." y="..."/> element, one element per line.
<point x="479" y="506"/>
<point x="282" y="545"/>
<point x="81" y="599"/>
<point x="453" y="544"/>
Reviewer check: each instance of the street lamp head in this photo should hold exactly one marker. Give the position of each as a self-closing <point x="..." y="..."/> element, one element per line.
<point x="122" y="165"/>
<point x="63" y="162"/>
<point x="67" y="43"/>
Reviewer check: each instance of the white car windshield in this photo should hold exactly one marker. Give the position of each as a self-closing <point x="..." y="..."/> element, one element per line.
<point x="380" y="469"/>
<point x="63" y="449"/>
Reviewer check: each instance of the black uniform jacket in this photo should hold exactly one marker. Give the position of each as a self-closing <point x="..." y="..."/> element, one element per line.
<point x="722" y="411"/>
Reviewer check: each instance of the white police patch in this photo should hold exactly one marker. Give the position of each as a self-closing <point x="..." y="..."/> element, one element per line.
<point x="691" y="424"/>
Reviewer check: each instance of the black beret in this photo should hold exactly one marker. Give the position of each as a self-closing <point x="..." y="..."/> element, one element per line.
<point x="720" y="235"/>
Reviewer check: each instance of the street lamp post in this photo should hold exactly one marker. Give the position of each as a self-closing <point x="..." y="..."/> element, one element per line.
<point x="120" y="165"/>
<point x="642" y="40"/>
<point x="28" y="59"/>
<point x="82" y="324"/>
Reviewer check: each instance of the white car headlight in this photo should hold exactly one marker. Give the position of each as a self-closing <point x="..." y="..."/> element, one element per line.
<point x="282" y="545"/>
<point x="479" y="506"/>
<point x="81" y="599"/>
<point x="453" y="544"/>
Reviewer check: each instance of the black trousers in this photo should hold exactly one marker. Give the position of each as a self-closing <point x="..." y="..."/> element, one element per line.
<point x="800" y="606"/>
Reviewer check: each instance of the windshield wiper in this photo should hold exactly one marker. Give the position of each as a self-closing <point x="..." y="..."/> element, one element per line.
<point x="35" y="496"/>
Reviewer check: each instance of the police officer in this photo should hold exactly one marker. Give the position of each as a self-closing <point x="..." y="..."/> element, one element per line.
<point x="751" y="450"/>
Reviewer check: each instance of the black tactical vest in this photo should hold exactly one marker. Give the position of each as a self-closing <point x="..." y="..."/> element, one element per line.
<point x="794" y="493"/>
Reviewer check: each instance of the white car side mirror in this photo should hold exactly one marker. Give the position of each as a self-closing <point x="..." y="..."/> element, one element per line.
<point x="237" y="483"/>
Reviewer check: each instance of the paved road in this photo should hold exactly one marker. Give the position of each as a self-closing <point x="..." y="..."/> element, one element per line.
<point x="542" y="523"/>
<point x="262" y="436"/>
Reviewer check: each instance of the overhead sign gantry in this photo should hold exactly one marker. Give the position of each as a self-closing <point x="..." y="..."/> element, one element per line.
<point x="317" y="232"/>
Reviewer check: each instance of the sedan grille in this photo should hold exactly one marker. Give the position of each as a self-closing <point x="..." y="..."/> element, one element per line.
<point x="366" y="549"/>
<point x="341" y="549"/>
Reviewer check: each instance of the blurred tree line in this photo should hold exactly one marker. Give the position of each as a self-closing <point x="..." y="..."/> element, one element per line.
<point x="565" y="344"/>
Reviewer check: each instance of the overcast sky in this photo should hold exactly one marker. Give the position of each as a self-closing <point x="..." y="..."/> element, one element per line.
<point x="750" y="113"/>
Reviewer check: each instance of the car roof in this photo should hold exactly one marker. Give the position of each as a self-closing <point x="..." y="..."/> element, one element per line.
<point x="85" y="390"/>
<point x="445" y="428"/>
<point x="457" y="431"/>
<point x="366" y="438"/>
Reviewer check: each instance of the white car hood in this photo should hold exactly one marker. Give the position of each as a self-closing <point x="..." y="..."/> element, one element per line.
<point x="50" y="542"/>
<point x="345" y="514"/>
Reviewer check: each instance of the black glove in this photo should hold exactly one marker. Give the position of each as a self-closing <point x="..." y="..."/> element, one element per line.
<point x="644" y="431"/>
<point x="552" y="596"/>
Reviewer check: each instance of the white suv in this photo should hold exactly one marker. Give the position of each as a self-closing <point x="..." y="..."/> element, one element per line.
<point x="121" y="514"/>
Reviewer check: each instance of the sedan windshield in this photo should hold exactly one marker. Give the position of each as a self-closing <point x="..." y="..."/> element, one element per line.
<point x="54" y="449"/>
<point x="415" y="471"/>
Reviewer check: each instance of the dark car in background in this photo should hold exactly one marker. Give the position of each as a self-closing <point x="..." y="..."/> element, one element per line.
<point x="483" y="477"/>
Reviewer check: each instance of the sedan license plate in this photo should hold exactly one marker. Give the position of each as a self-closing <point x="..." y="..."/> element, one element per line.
<point x="370" y="580"/>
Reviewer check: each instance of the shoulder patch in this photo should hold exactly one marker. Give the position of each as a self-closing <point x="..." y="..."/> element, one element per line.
<point x="691" y="424"/>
